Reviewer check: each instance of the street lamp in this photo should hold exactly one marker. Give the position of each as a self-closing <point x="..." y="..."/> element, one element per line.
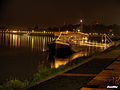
<point x="81" y="25"/>
<point x="81" y="21"/>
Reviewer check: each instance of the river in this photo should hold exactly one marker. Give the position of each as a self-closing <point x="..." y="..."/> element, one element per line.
<point x="20" y="55"/>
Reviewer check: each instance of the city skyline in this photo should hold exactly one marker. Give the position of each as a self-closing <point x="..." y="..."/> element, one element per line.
<point x="57" y="12"/>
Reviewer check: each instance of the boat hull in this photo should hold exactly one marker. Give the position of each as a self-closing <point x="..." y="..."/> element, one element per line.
<point x="60" y="50"/>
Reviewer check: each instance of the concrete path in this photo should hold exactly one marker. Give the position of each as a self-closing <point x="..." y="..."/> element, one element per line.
<point x="108" y="79"/>
<point x="77" y="78"/>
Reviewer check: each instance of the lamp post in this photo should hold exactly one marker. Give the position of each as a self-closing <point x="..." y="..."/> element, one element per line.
<point x="81" y="25"/>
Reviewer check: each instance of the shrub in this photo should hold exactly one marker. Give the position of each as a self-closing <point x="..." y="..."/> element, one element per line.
<point x="15" y="85"/>
<point x="1" y="87"/>
<point x="42" y="69"/>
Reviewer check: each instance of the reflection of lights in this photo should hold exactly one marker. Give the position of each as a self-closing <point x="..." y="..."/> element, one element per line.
<point x="58" y="63"/>
<point x="18" y="41"/>
<point x="14" y="31"/>
<point x="76" y="55"/>
<point x="32" y="42"/>
<point x="43" y="44"/>
<point x="6" y="30"/>
<point x="15" y="40"/>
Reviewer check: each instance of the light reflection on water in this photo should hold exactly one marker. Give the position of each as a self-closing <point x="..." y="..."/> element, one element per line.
<point x="23" y="41"/>
<point x="21" y="55"/>
<point x="85" y="51"/>
<point x="27" y="52"/>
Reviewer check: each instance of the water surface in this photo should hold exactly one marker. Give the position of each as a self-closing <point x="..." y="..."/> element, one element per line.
<point x="20" y="55"/>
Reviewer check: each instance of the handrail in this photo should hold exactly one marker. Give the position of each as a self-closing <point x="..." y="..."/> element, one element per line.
<point x="83" y="42"/>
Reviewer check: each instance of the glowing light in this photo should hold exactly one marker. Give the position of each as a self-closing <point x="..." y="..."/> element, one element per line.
<point x="32" y="30"/>
<point x="67" y="31"/>
<point x="14" y="31"/>
<point x="81" y="21"/>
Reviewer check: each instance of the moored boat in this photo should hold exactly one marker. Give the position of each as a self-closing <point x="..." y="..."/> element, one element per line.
<point x="66" y="41"/>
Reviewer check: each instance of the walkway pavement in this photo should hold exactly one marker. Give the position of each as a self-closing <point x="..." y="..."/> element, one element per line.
<point x="83" y="75"/>
<point x="108" y="79"/>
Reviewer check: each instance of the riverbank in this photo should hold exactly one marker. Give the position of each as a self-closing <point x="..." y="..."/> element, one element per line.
<point x="80" y="75"/>
<point x="30" y="33"/>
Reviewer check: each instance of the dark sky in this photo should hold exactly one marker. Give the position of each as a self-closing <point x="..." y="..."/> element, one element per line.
<point x="56" y="12"/>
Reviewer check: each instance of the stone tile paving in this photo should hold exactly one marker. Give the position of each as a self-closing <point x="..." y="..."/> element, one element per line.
<point x="110" y="76"/>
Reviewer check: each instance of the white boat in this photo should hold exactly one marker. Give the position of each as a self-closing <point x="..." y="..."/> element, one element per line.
<point x="69" y="41"/>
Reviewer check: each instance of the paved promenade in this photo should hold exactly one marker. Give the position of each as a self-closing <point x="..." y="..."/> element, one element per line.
<point x="85" y="75"/>
<point x="107" y="79"/>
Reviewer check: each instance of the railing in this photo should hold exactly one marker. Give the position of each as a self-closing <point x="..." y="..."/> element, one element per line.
<point x="85" y="42"/>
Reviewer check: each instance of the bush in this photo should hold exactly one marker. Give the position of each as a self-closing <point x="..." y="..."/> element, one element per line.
<point x="41" y="74"/>
<point x="15" y="85"/>
<point x="42" y="69"/>
<point x="1" y="87"/>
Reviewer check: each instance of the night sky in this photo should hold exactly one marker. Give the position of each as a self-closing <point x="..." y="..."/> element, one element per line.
<point x="56" y="12"/>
